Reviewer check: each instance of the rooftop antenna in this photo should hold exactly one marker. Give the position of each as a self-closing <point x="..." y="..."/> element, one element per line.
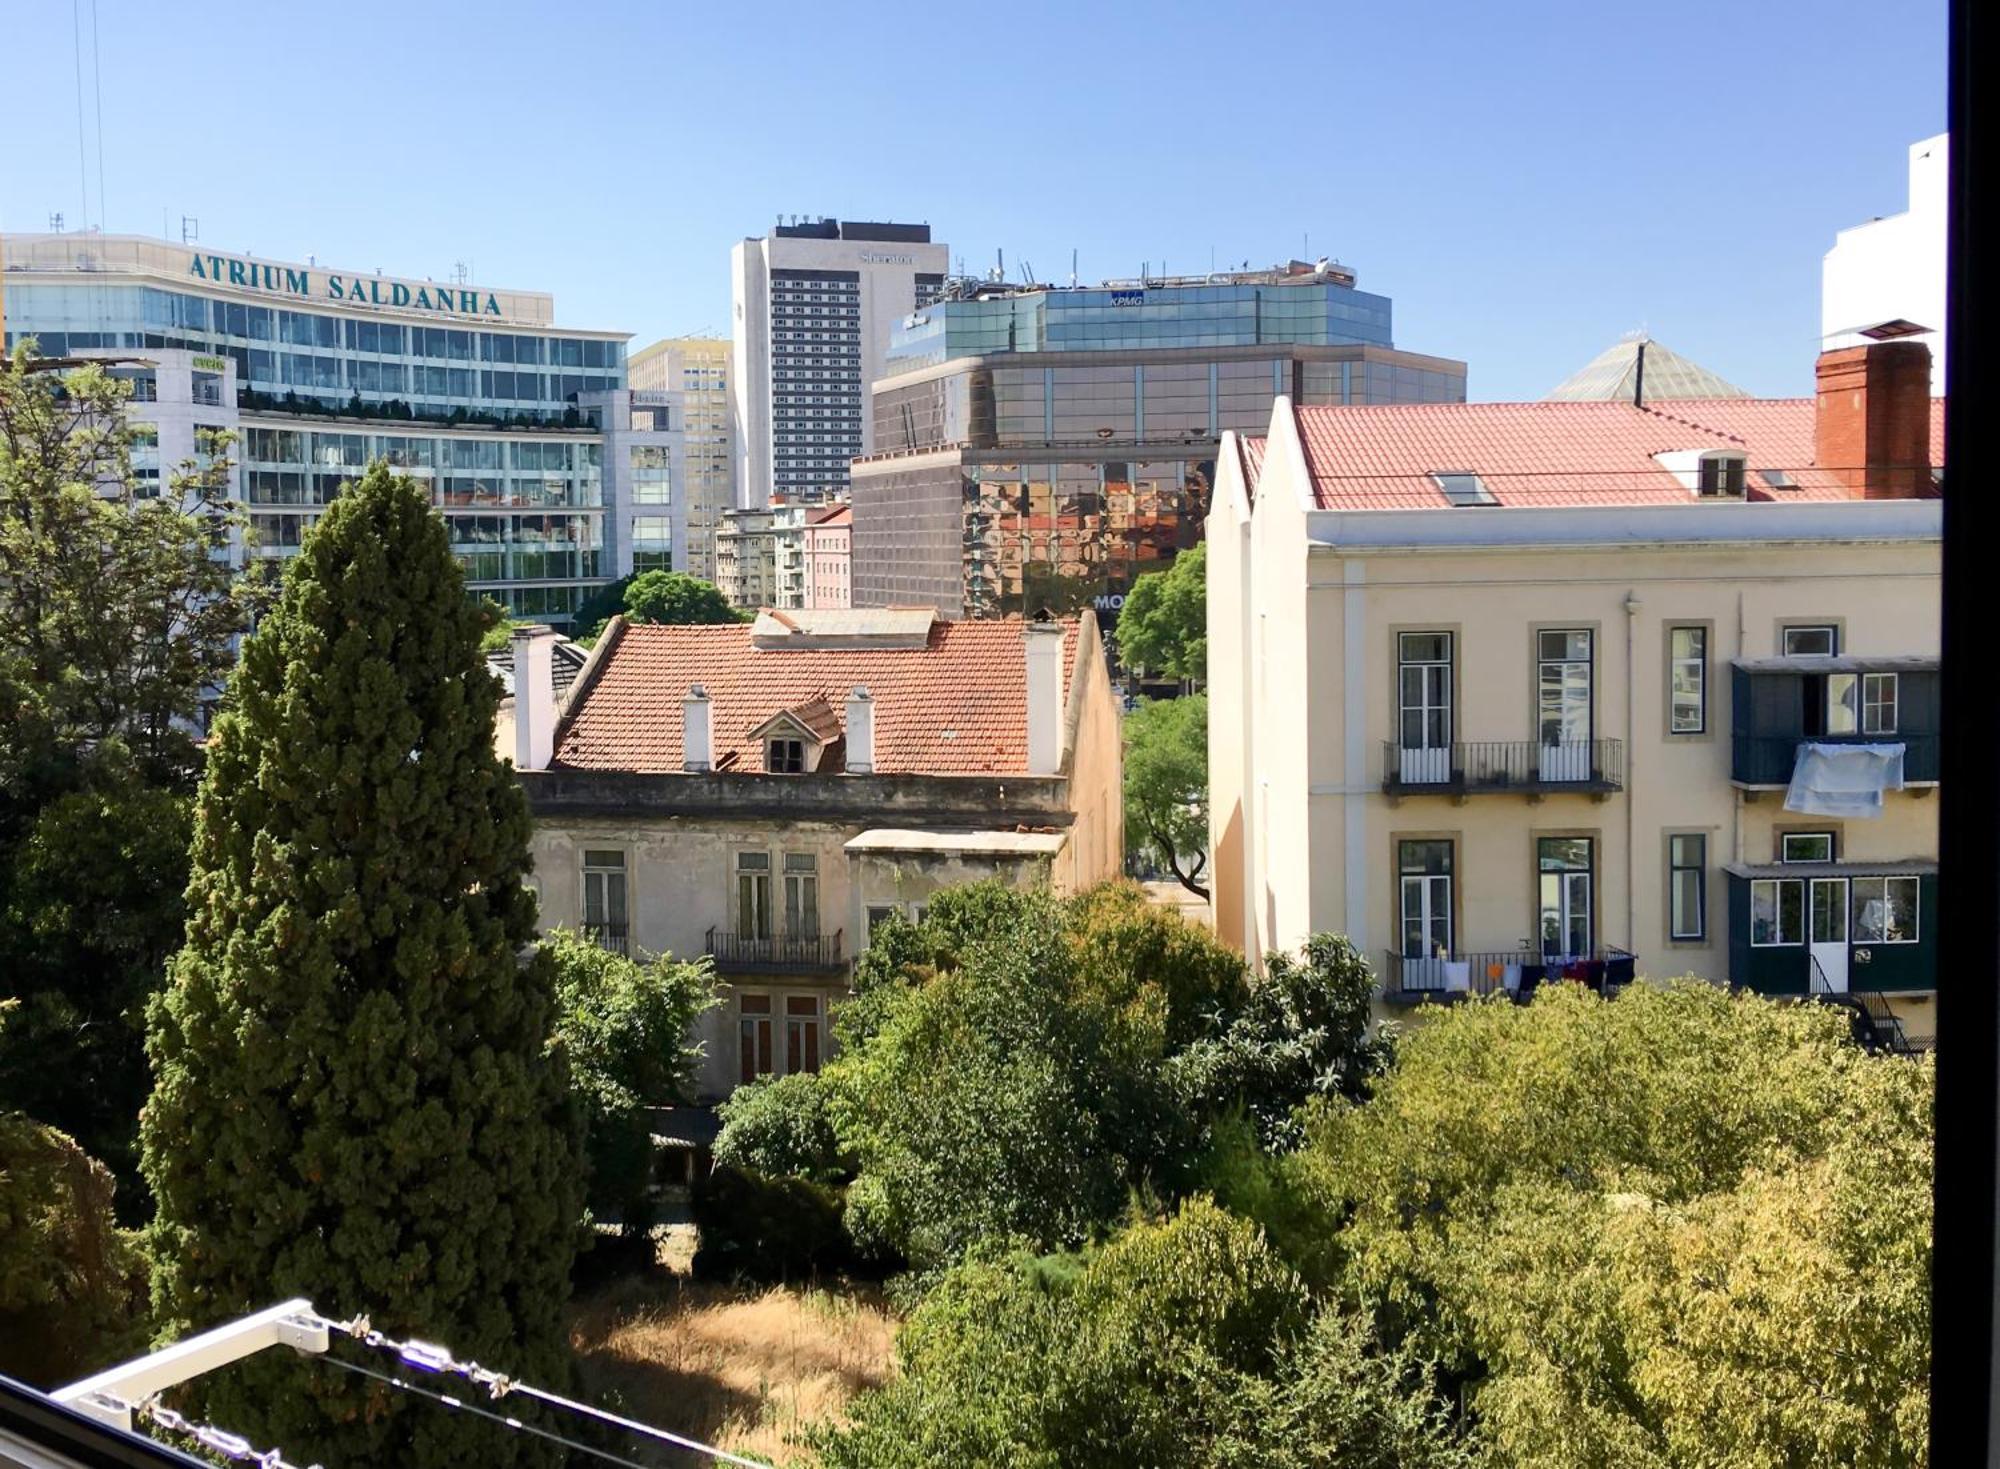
<point x="190" y="229"/>
<point x="56" y="223"/>
<point x="1639" y="375"/>
<point x="459" y="274"/>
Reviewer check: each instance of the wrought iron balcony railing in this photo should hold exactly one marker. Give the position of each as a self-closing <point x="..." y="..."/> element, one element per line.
<point x="1515" y="972"/>
<point x="1527" y="767"/>
<point x="776" y="954"/>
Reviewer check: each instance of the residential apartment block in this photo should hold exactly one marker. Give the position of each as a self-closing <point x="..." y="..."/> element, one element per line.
<point x="1507" y="692"/>
<point x="760" y="556"/>
<point x="766" y="794"/>
<point x="829" y="557"/>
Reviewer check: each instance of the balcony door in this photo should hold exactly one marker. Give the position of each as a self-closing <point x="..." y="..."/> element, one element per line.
<point x="1827" y="934"/>
<point x="1423" y="680"/>
<point x="1424" y="875"/>
<point x="1564" y="879"/>
<point x="1563" y="702"/>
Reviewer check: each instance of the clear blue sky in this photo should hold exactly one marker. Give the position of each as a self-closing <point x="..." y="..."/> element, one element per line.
<point x="1527" y="180"/>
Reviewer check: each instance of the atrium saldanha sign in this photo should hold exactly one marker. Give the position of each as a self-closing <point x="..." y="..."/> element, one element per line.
<point x="290" y="280"/>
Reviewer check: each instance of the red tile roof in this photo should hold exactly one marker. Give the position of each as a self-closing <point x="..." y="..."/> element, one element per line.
<point x="1570" y="453"/>
<point x="957" y="706"/>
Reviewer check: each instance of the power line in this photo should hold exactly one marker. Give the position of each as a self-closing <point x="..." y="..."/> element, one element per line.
<point x="429" y="1357"/>
<point x="459" y="1405"/>
<point x="82" y="166"/>
<point x="97" y="87"/>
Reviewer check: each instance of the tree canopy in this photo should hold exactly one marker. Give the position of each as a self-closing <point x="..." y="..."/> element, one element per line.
<point x="674" y="597"/>
<point x="1166" y="785"/>
<point x="117" y="611"/>
<point x="357" y="1098"/>
<point x="1163" y="626"/>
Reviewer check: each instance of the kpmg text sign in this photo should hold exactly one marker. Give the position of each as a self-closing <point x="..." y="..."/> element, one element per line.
<point x="289" y="280"/>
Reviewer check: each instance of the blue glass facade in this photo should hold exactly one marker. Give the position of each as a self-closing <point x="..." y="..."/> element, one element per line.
<point x="329" y="357"/>
<point x="1102" y="319"/>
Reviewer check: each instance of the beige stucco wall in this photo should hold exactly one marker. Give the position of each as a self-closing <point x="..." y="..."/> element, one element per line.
<point x="1302" y="827"/>
<point x="1095" y="764"/>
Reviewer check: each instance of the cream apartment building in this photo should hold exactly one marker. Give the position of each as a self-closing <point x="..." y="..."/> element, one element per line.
<point x="764" y="795"/>
<point x="1508" y="692"/>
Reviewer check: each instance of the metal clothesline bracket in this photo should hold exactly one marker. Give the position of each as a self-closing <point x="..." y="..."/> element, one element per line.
<point x="111" y="1396"/>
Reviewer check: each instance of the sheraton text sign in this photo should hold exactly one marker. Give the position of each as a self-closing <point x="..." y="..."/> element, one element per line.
<point x="290" y="280"/>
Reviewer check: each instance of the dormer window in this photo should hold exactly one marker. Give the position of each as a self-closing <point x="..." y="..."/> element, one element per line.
<point x="785" y="757"/>
<point x="1463" y="487"/>
<point x="1720" y="475"/>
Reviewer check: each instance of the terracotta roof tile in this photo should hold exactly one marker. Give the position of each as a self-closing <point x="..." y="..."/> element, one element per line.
<point x="957" y="706"/>
<point x="1570" y="453"/>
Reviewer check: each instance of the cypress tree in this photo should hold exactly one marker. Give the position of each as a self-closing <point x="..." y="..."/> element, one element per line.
<point x="354" y="1097"/>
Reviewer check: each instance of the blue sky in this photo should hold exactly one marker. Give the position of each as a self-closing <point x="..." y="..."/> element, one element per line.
<point x="1528" y="181"/>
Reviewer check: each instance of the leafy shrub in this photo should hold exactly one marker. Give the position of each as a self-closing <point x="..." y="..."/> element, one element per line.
<point x="72" y="1284"/>
<point x="624" y="1025"/>
<point x="768" y="1229"/>
<point x="780" y="1126"/>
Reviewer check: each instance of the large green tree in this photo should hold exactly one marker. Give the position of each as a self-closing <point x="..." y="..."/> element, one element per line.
<point x="1163" y="626"/>
<point x="1679" y="1228"/>
<point x="1166" y="785"/>
<point x="356" y="1097"/>
<point x="674" y="597"/>
<point x="117" y="613"/>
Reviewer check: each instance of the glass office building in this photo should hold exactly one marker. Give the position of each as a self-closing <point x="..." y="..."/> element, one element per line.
<point x="1045" y="447"/>
<point x="527" y="432"/>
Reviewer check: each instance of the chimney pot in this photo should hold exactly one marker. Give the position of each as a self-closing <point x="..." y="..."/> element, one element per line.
<point x="534" y="696"/>
<point x="1872" y="424"/>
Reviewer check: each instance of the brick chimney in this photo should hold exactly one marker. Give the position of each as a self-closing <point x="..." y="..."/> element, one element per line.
<point x="1873" y="428"/>
<point x="534" y="696"/>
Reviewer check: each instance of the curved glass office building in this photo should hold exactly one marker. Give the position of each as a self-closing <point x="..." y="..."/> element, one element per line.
<point x="541" y="458"/>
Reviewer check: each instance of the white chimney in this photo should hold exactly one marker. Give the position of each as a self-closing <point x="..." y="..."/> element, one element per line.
<point x="860" y="732"/>
<point x="534" y="696"/>
<point x="697" y="742"/>
<point x="1045" y="697"/>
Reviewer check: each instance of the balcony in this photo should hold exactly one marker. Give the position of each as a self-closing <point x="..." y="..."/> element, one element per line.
<point x="1779" y="704"/>
<point x="1516" y="972"/>
<point x="610" y="936"/>
<point x="1767" y="760"/>
<point x="1505" y="767"/>
<point x="741" y="953"/>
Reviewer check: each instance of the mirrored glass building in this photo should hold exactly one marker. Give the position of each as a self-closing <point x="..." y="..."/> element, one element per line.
<point x="1042" y="447"/>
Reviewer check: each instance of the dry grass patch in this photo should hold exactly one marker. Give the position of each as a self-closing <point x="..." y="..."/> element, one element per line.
<point x="744" y="1368"/>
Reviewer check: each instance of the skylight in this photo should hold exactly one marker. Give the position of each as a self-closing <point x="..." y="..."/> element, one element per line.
<point x="1777" y="479"/>
<point x="1463" y="487"/>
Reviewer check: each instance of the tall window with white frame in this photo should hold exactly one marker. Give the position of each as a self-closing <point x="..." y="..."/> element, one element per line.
<point x="1423" y="681"/>
<point x="801" y="895"/>
<point x="1563" y="699"/>
<point x="1564" y="874"/>
<point x="1687" y="887"/>
<point x="1424" y="879"/>
<point x="1878" y="703"/>
<point x="1687" y="688"/>
<point x="753" y="895"/>
<point x="604" y="913"/>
